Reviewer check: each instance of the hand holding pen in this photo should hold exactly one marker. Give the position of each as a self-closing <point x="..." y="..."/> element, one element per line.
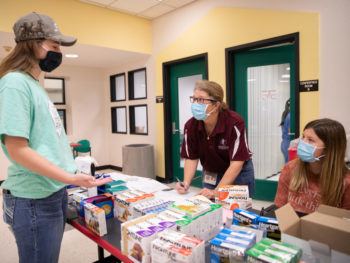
<point x="181" y="187"/>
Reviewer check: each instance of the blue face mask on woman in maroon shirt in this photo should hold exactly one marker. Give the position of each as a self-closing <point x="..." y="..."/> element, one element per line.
<point x="199" y="111"/>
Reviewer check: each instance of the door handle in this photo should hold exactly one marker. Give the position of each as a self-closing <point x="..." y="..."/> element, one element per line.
<point x="291" y="133"/>
<point x="174" y="130"/>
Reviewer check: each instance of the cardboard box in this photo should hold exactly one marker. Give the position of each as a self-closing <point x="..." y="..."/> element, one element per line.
<point x="95" y="219"/>
<point x="323" y="235"/>
<point x="136" y="241"/>
<point x="171" y="246"/>
<point x="126" y="200"/>
<point x="270" y="225"/>
<point x="104" y="201"/>
<point x="234" y="196"/>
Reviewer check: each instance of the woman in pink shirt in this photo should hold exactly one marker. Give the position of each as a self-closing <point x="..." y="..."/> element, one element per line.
<point x="319" y="175"/>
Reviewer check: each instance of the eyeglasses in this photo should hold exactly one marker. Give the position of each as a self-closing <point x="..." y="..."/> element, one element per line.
<point x="201" y="100"/>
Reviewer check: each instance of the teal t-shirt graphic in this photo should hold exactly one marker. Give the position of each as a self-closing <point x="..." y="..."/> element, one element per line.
<point x="26" y="111"/>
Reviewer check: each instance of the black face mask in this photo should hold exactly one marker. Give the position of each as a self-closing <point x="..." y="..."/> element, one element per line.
<point x="51" y="61"/>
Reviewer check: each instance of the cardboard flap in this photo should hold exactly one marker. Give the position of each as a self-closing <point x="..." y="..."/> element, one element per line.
<point x="328" y="221"/>
<point x="288" y="220"/>
<point x="331" y="230"/>
<point x="334" y="211"/>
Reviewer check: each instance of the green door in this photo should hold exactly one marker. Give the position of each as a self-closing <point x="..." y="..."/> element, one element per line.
<point x="182" y="79"/>
<point x="264" y="79"/>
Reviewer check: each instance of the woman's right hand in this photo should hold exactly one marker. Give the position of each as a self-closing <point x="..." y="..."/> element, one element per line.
<point x="182" y="187"/>
<point x="86" y="180"/>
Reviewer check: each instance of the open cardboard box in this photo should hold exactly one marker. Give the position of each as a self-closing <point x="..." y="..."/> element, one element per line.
<point x="324" y="236"/>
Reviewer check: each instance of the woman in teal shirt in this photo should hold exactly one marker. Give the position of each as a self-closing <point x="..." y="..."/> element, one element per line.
<point x="34" y="140"/>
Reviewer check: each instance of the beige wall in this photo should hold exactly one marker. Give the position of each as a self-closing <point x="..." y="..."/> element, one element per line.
<point x="334" y="37"/>
<point x="116" y="141"/>
<point x="92" y="25"/>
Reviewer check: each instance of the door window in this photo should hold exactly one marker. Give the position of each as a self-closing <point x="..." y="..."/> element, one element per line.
<point x="186" y="86"/>
<point x="268" y="91"/>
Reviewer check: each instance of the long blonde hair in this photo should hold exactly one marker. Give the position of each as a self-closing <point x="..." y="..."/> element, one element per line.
<point x="333" y="171"/>
<point x="21" y="58"/>
<point x="213" y="89"/>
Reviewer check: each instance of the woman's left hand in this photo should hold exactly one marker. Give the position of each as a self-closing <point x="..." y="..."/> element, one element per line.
<point x="208" y="193"/>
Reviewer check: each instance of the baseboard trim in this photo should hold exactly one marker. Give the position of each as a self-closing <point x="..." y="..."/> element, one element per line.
<point x="163" y="180"/>
<point x="102" y="167"/>
<point x="116" y="168"/>
<point x="113" y="167"/>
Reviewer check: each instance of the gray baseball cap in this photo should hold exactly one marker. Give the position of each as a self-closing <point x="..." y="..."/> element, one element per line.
<point x="39" y="26"/>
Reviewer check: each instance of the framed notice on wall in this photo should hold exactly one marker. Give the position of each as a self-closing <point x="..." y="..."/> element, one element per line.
<point x="119" y="120"/>
<point x="138" y="119"/>
<point x="117" y="87"/>
<point x="137" y="84"/>
<point x="55" y="88"/>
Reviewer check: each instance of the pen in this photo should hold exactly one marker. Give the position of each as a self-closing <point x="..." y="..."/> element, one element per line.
<point x="181" y="183"/>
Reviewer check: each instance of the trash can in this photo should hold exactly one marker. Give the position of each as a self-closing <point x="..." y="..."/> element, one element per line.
<point x="138" y="159"/>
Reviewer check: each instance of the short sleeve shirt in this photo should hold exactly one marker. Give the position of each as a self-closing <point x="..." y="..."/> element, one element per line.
<point x="228" y="142"/>
<point x="308" y="199"/>
<point x="26" y="111"/>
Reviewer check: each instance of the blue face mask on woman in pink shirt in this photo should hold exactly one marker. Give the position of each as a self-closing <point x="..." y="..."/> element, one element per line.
<point x="306" y="152"/>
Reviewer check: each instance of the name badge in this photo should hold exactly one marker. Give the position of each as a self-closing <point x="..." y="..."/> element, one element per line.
<point x="210" y="178"/>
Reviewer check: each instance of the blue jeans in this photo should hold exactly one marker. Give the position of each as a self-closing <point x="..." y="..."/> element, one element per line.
<point x="38" y="225"/>
<point x="245" y="177"/>
<point x="284" y="149"/>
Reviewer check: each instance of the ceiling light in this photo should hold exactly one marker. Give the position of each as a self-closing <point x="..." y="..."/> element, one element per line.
<point x="288" y="68"/>
<point x="71" y="55"/>
<point x="286" y="76"/>
<point x="284" y="80"/>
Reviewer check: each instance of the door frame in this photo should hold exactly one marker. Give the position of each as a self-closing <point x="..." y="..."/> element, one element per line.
<point x="167" y="111"/>
<point x="230" y="53"/>
<point x="229" y="67"/>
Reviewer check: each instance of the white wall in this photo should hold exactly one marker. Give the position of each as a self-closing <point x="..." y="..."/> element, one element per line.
<point x="334" y="42"/>
<point x="116" y="141"/>
<point x="335" y="59"/>
<point x="85" y="109"/>
<point x="4" y="163"/>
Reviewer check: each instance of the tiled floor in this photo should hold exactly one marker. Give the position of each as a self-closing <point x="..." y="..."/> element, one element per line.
<point x="76" y="248"/>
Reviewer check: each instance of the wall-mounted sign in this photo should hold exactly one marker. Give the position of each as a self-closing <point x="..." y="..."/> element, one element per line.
<point x="159" y="99"/>
<point x="308" y="85"/>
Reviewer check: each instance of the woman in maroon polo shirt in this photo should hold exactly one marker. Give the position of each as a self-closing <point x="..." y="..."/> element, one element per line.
<point x="216" y="136"/>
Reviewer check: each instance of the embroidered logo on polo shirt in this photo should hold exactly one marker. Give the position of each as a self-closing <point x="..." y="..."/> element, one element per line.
<point x="222" y="145"/>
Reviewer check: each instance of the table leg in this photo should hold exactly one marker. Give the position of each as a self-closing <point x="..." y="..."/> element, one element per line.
<point x="101" y="254"/>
